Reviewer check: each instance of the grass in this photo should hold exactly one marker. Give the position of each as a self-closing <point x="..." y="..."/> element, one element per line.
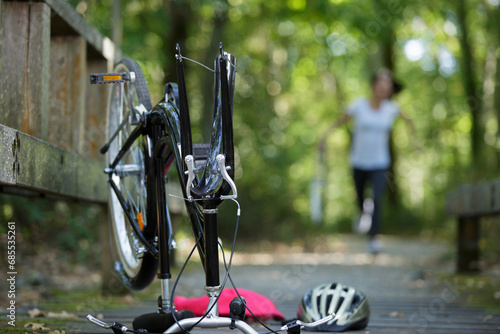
<point x="79" y="303"/>
<point x="25" y="324"/>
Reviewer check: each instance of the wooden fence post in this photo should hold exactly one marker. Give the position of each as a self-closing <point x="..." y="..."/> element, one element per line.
<point x="67" y="92"/>
<point x="468" y="244"/>
<point x="25" y="55"/>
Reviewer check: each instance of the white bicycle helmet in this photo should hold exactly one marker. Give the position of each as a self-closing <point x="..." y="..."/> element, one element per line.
<point x="349" y="305"/>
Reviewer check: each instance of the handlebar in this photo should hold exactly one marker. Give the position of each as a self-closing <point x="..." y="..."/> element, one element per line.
<point x="216" y="322"/>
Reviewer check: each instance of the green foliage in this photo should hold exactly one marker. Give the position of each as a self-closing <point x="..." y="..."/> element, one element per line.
<point x="299" y="64"/>
<point x="43" y="225"/>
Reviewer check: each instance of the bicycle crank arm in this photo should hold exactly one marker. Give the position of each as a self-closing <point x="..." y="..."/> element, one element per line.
<point x="120" y="127"/>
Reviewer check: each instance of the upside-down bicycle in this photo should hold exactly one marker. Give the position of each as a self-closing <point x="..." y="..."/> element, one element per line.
<point x="143" y="143"/>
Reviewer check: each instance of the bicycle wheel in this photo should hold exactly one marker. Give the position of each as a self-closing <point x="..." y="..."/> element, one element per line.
<point x="136" y="266"/>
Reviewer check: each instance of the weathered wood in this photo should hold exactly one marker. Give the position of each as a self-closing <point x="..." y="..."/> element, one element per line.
<point x="25" y="67"/>
<point x="8" y="163"/>
<point x="67" y="19"/>
<point x="52" y="123"/>
<point x="41" y="167"/>
<point x="39" y="68"/>
<point x="67" y="93"/>
<point x="469" y="203"/>
<point x="475" y="199"/>
<point x="32" y="68"/>
<point x="95" y="118"/>
<point x="468" y="237"/>
<point x="495" y="195"/>
<point x="13" y="69"/>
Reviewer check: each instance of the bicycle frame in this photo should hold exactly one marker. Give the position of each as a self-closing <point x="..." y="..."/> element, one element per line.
<point x="167" y="130"/>
<point x="167" y="140"/>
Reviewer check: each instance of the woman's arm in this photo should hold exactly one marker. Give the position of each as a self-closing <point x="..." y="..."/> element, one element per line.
<point x="411" y="128"/>
<point x="341" y="121"/>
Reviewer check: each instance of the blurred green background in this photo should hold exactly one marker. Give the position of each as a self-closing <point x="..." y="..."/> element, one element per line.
<point x="299" y="63"/>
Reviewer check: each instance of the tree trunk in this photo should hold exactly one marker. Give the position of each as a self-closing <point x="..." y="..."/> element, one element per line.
<point x="384" y="58"/>
<point x="220" y="19"/>
<point x="470" y="84"/>
<point x="117" y="23"/>
<point x="493" y="29"/>
<point x="180" y="15"/>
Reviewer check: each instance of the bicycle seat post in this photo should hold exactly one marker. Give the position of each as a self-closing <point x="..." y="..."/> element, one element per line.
<point x="212" y="188"/>
<point x="212" y="279"/>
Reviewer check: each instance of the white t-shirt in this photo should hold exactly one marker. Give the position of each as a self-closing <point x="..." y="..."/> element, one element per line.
<point x="372" y="127"/>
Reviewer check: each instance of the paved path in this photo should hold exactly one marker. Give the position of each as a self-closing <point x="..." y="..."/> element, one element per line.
<point x="400" y="283"/>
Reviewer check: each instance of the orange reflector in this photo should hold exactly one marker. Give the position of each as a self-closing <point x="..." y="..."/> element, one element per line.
<point x="140" y="220"/>
<point x="111" y="77"/>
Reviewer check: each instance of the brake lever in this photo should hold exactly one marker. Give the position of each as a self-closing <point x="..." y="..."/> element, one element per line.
<point x="116" y="327"/>
<point x="295" y="326"/>
<point x="98" y="322"/>
<point x="189" y="159"/>
<point x="221" y="161"/>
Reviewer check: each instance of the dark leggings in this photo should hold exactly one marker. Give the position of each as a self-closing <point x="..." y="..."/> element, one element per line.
<point x="378" y="182"/>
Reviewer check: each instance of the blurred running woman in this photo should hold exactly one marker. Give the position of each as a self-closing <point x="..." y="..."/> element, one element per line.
<point x="369" y="156"/>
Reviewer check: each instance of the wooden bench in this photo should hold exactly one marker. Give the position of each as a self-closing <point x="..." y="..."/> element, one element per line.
<point x="469" y="203"/>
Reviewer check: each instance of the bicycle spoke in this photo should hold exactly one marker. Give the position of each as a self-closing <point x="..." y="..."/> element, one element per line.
<point x="132" y="201"/>
<point x="129" y="178"/>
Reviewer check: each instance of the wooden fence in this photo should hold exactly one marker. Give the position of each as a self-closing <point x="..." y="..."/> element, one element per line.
<point x="52" y="123"/>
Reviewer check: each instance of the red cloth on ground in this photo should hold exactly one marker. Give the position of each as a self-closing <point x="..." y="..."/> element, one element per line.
<point x="262" y="307"/>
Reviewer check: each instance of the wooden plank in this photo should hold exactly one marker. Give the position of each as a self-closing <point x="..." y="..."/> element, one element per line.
<point x="66" y="21"/>
<point x="99" y="45"/>
<point x="38" y="69"/>
<point x="495" y="195"/>
<point x="95" y="109"/>
<point x="25" y="66"/>
<point x="44" y="167"/>
<point x="91" y="181"/>
<point x="8" y="165"/>
<point x="67" y="98"/>
<point x="47" y="169"/>
<point x="14" y="65"/>
<point x="476" y="199"/>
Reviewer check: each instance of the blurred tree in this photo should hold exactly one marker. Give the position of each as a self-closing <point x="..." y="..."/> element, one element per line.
<point x="470" y="82"/>
<point x="299" y="63"/>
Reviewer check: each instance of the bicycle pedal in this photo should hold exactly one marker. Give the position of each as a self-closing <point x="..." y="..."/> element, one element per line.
<point x="106" y="78"/>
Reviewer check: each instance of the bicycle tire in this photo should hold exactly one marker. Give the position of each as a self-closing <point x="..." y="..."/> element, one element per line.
<point x="137" y="268"/>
